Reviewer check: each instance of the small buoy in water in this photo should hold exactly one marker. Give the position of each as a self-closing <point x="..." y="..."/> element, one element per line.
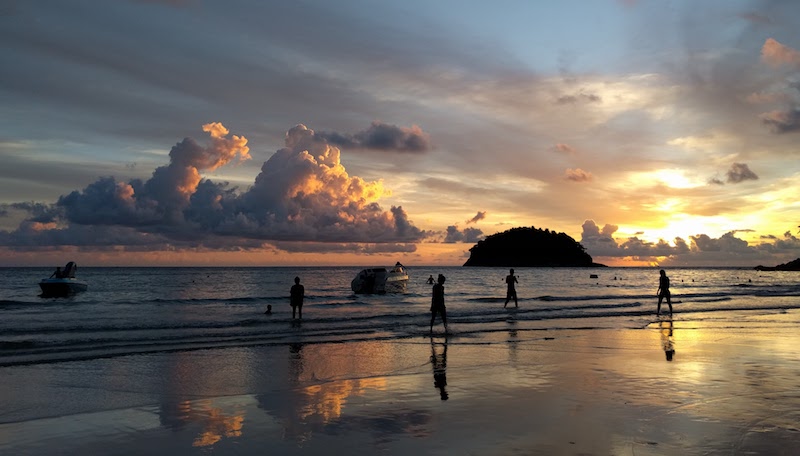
<point x="592" y="276"/>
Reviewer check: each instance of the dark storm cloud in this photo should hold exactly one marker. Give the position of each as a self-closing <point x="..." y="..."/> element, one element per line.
<point x="381" y="136"/>
<point x="303" y="193"/>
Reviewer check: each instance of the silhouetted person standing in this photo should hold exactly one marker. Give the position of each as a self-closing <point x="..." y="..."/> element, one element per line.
<point x="296" y="298"/>
<point x="437" y="303"/>
<point x="430" y="280"/>
<point x="663" y="292"/>
<point x="511" y="279"/>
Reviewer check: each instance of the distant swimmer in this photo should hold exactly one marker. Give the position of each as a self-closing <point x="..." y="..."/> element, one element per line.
<point x="269" y="310"/>
<point x="437" y="303"/>
<point x="511" y="292"/>
<point x="430" y="280"/>
<point x="296" y="296"/>
<point x="663" y="292"/>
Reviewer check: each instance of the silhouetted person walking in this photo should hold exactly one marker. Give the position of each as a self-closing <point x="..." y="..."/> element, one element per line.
<point x="511" y="279"/>
<point x="437" y="303"/>
<point x="663" y="292"/>
<point x="296" y="298"/>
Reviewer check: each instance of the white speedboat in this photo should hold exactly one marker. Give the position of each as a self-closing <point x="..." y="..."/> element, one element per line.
<point x="63" y="283"/>
<point x="381" y="280"/>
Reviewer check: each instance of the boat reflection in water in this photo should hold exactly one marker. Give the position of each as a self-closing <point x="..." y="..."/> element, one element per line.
<point x="63" y="283"/>
<point x="381" y="280"/>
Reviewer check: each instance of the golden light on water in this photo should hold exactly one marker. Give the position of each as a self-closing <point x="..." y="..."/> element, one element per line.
<point x="328" y="400"/>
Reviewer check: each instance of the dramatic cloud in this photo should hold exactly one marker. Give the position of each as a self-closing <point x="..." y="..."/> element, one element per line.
<point x="776" y="54"/>
<point x="381" y="136"/>
<point x="467" y="235"/>
<point x="478" y="217"/>
<point x="740" y="172"/>
<point x="303" y="193"/>
<point x="577" y="175"/>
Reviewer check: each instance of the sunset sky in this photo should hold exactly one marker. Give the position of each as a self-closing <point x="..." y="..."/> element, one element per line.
<point x="356" y="132"/>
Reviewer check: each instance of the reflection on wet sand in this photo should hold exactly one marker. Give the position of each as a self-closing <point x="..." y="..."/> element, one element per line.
<point x="667" y="340"/>
<point x="439" y="364"/>
<point x="216" y="424"/>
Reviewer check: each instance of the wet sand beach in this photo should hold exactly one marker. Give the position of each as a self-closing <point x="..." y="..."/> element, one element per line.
<point x="729" y="389"/>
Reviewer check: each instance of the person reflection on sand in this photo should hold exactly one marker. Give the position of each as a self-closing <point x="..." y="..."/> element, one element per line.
<point x="295" y="363"/>
<point x="667" y="341"/>
<point x="439" y="363"/>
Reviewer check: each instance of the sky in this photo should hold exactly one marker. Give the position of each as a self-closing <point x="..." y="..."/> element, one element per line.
<point x="356" y="132"/>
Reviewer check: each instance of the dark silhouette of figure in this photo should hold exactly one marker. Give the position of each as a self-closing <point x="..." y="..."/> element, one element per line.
<point x="437" y="303"/>
<point x="663" y="292"/>
<point x="57" y="274"/>
<point x="269" y="310"/>
<point x="430" y="280"/>
<point x="439" y="364"/>
<point x="667" y="342"/>
<point x="511" y="279"/>
<point x="296" y="298"/>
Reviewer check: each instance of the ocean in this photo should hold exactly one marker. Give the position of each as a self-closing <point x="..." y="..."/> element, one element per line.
<point x="132" y="311"/>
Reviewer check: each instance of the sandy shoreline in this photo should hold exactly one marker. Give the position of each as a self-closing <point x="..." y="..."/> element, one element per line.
<point x="730" y="389"/>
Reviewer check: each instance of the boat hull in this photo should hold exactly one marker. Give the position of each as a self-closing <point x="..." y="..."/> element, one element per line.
<point x="62" y="287"/>
<point x="379" y="280"/>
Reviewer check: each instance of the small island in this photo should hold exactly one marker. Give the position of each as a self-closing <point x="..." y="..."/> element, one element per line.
<point x="529" y="247"/>
<point x="790" y="266"/>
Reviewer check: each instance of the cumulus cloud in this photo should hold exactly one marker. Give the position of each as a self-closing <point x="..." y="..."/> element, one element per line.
<point x="468" y="235"/>
<point x="478" y="217"/>
<point x="728" y="242"/>
<point x="302" y="194"/>
<point x="700" y="249"/>
<point x="577" y="175"/>
<point x="381" y="136"/>
<point x="601" y="242"/>
<point x="776" y="54"/>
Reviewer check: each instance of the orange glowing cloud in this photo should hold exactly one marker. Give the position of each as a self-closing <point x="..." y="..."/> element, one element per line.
<point x="776" y="54"/>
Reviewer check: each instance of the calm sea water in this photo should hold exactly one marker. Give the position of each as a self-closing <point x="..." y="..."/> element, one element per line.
<point x="147" y="310"/>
